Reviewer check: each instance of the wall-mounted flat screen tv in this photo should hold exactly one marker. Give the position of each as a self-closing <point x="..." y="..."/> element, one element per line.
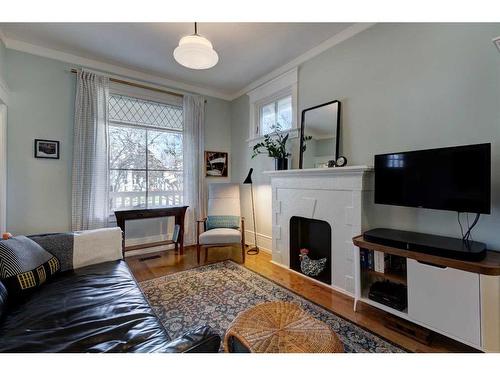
<point x="451" y="178"/>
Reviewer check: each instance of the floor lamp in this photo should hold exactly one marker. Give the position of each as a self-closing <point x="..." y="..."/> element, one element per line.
<point x="254" y="250"/>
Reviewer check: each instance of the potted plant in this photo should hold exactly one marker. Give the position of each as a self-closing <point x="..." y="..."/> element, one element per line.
<point x="274" y="144"/>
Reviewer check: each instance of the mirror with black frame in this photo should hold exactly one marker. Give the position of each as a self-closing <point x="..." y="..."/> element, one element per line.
<point x="320" y="135"/>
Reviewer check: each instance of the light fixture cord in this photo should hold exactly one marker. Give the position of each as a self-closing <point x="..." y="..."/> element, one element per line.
<point x="196" y="28"/>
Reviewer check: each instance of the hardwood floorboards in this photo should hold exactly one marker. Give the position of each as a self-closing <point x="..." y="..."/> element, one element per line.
<point x="367" y="316"/>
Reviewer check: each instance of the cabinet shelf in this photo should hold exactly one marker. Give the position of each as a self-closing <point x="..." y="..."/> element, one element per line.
<point x="396" y="277"/>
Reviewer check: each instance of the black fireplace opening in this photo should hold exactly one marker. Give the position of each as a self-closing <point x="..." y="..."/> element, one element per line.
<point x="315" y="236"/>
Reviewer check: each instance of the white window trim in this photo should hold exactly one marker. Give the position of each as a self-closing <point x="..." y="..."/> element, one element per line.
<point x="280" y="87"/>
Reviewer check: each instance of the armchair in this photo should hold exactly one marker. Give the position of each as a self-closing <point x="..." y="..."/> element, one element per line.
<point x="223" y="225"/>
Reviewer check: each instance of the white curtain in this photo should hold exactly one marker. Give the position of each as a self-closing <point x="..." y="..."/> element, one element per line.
<point x="194" y="181"/>
<point x="90" y="180"/>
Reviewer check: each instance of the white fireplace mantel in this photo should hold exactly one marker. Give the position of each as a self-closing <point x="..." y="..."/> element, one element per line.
<point x="334" y="195"/>
<point x="356" y="169"/>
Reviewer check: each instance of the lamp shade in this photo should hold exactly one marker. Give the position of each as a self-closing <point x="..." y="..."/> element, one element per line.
<point x="196" y="52"/>
<point x="248" y="180"/>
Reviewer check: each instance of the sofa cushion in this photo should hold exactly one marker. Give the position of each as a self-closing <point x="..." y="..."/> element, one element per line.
<point x="220" y="236"/>
<point x="98" y="308"/>
<point x="25" y="265"/>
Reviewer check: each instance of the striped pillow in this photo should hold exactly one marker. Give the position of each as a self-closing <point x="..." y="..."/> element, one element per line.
<point x="222" y="221"/>
<point x="25" y="265"/>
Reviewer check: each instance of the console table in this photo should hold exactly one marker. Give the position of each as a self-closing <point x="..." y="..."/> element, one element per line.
<point x="178" y="212"/>
<point x="456" y="298"/>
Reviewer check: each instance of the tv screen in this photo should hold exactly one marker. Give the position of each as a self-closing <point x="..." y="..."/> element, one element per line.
<point x="451" y="178"/>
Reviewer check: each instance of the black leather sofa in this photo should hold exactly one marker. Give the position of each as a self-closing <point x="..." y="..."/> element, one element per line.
<point x="98" y="308"/>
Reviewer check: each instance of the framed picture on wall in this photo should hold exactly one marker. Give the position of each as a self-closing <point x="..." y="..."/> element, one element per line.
<point x="45" y="149"/>
<point x="216" y="164"/>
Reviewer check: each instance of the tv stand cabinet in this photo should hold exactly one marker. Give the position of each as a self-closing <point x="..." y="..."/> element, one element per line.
<point x="457" y="298"/>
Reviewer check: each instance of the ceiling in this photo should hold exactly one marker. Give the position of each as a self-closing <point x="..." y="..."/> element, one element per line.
<point x="247" y="51"/>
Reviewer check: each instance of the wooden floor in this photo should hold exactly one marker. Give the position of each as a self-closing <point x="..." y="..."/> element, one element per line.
<point x="374" y="320"/>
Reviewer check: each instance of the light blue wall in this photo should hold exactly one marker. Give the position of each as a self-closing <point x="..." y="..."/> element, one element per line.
<point x="42" y="102"/>
<point x="42" y="106"/>
<point x="404" y="87"/>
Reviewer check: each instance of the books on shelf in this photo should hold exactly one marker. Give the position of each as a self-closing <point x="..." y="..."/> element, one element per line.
<point x="373" y="260"/>
<point x="379" y="261"/>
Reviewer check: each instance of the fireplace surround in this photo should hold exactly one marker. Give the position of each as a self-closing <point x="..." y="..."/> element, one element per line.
<point x="336" y="196"/>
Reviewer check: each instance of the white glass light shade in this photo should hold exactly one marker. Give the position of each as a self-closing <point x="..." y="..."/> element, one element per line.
<point x="196" y="52"/>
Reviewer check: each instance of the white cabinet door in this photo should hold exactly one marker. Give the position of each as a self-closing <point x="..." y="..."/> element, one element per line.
<point x="446" y="299"/>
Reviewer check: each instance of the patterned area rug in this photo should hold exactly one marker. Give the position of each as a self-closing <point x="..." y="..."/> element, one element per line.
<point x="214" y="294"/>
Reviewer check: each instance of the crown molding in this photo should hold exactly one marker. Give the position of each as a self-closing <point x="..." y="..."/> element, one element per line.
<point x="320" y="48"/>
<point x="110" y="68"/>
<point x="172" y="84"/>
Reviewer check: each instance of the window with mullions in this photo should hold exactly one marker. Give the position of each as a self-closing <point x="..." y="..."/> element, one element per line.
<point x="145" y="153"/>
<point x="277" y="114"/>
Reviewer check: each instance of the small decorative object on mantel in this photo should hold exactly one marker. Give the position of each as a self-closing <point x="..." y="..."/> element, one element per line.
<point x="275" y="146"/>
<point x="341" y="161"/>
<point x="309" y="266"/>
<point x="216" y="164"/>
<point x="45" y="149"/>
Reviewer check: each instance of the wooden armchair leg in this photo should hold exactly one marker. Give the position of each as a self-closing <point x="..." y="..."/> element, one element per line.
<point x="198" y="252"/>
<point x="206" y="254"/>
<point x="243" y="253"/>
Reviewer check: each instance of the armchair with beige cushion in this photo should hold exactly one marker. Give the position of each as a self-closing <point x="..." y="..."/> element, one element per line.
<point x="223" y="225"/>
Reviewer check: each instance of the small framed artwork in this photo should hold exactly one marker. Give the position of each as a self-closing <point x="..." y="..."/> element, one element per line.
<point x="216" y="164"/>
<point x="45" y="149"/>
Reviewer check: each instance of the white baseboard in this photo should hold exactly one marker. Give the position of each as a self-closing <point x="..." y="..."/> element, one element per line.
<point x="264" y="242"/>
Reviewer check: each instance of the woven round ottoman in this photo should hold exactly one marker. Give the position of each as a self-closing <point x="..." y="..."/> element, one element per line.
<point x="280" y="327"/>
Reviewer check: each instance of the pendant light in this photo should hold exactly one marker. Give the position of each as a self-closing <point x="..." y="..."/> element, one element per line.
<point x="196" y="52"/>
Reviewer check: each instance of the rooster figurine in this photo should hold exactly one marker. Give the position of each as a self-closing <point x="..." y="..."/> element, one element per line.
<point x="311" y="267"/>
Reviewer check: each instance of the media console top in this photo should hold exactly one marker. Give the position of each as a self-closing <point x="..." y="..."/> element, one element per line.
<point x="490" y="265"/>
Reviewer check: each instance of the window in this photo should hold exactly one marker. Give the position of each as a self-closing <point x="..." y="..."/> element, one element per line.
<point x="274" y="104"/>
<point x="145" y="153"/>
<point x="276" y="114"/>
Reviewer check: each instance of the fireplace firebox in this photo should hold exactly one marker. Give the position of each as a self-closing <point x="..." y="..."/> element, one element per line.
<point x="315" y="236"/>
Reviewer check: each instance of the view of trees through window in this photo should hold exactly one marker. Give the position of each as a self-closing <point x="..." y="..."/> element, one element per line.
<point x="145" y="158"/>
<point x="277" y="112"/>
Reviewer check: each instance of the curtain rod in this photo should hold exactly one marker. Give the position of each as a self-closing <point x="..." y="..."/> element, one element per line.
<point x="116" y="80"/>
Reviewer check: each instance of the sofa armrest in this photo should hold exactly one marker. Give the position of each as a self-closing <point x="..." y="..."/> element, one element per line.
<point x="200" y="340"/>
